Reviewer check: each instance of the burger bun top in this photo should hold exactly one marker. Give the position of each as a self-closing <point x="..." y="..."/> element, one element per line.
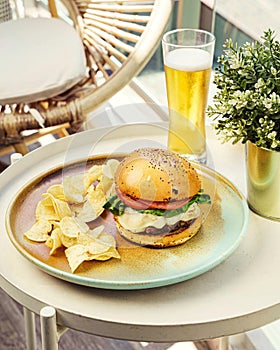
<point x="157" y="175"/>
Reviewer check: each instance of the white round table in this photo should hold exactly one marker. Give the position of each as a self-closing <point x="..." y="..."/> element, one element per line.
<point x="240" y="294"/>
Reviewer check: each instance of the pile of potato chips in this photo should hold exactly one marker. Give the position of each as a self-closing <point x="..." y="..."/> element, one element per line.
<point x="65" y="209"/>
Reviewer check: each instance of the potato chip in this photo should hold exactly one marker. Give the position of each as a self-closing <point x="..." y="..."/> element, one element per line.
<point x="84" y="239"/>
<point x="110" y="167"/>
<point x="74" y="188"/>
<point x="107" y="181"/>
<point x="94" y="250"/>
<point x="107" y="239"/>
<point x="45" y="210"/>
<point x="70" y="227"/>
<point x="75" y="255"/>
<point x="39" y="232"/>
<point x="67" y="241"/>
<point x="111" y="252"/>
<point x="96" y="198"/>
<point x="108" y="186"/>
<point x="93" y="206"/>
<point x="82" y="225"/>
<point x="94" y="233"/>
<point x="61" y="208"/>
<point x="70" y="231"/>
<point x="55" y="224"/>
<point x="57" y="191"/>
<point x="54" y="241"/>
<point x="100" y="243"/>
<point x="97" y="248"/>
<point x="86" y="213"/>
<point x="92" y="175"/>
<point x="99" y="251"/>
<point x="88" y="237"/>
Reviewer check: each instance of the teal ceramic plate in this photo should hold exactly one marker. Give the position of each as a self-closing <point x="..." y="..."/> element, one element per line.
<point x="225" y="223"/>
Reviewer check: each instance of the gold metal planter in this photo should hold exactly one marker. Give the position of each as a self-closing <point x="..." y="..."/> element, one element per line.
<point x="263" y="181"/>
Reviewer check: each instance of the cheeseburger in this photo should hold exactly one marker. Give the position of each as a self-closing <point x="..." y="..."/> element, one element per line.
<point x="157" y="196"/>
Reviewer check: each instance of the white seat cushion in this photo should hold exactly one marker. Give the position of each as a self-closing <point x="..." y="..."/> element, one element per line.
<point x="40" y="58"/>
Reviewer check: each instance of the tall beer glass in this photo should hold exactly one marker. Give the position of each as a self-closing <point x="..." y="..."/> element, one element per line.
<point x="188" y="57"/>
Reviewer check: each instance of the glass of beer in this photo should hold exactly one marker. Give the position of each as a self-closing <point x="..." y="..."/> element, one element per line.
<point x="188" y="58"/>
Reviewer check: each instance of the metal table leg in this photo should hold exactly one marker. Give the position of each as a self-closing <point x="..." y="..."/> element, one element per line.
<point x="48" y="328"/>
<point x="30" y="329"/>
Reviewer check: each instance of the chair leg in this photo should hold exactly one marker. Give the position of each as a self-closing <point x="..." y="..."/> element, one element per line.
<point x="21" y="148"/>
<point x="62" y="132"/>
<point x="48" y="328"/>
<point x="30" y="329"/>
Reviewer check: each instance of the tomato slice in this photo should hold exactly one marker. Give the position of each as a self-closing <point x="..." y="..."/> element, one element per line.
<point x="142" y="204"/>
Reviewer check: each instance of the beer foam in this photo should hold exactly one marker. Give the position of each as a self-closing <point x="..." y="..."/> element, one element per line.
<point x="187" y="59"/>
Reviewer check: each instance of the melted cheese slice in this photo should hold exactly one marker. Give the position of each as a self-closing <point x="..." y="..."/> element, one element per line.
<point x="134" y="221"/>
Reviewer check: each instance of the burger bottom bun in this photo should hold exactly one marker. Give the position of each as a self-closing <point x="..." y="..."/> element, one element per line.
<point x="157" y="241"/>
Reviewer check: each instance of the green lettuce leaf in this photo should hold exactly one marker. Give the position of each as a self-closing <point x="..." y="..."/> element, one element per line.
<point x="117" y="207"/>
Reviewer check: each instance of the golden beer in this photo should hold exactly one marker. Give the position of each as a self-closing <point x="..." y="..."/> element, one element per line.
<point x="187" y="73"/>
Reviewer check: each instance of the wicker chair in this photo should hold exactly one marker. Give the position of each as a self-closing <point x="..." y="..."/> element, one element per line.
<point x="118" y="39"/>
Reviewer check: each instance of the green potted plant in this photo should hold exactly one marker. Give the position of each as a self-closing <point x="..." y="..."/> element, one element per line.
<point x="246" y="108"/>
